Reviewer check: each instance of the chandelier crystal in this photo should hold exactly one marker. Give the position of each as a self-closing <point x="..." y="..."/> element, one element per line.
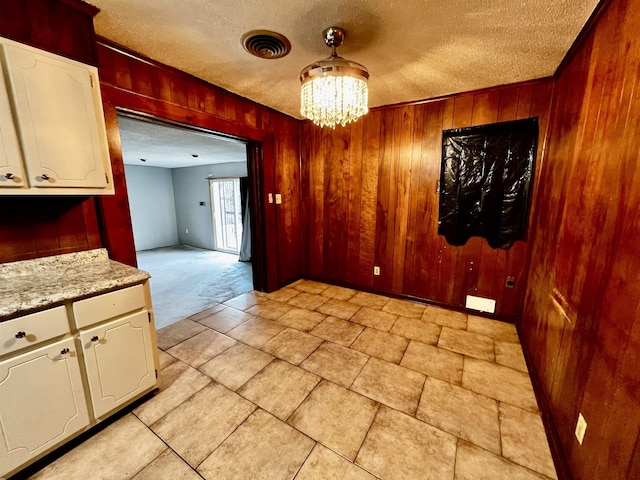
<point x="334" y="90"/>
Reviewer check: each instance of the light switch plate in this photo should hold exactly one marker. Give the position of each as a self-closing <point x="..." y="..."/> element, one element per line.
<point x="270" y="196"/>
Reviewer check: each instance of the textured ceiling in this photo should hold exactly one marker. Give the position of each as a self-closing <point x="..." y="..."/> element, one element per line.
<point x="171" y="147"/>
<point x="414" y="49"/>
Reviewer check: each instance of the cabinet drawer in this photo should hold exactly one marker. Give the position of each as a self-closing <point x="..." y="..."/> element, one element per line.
<point x="32" y="329"/>
<point x="96" y="309"/>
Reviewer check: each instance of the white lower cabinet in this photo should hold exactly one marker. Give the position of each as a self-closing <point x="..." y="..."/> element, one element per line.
<point x="119" y="361"/>
<point x="65" y="369"/>
<point x="42" y="402"/>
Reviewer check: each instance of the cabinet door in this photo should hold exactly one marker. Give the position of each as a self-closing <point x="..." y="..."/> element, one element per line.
<point x="119" y="361"/>
<point x="59" y="118"/>
<point x="42" y="402"/>
<point x="11" y="171"/>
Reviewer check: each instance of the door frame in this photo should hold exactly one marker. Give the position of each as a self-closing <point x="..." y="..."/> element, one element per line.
<point x="114" y="213"/>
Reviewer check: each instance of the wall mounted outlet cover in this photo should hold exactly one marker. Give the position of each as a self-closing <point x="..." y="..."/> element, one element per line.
<point x="376" y="270"/>
<point x="270" y="198"/>
<point x="278" y="199"/>
<point x="186" y="230"/>
<point x="581" y="428"/>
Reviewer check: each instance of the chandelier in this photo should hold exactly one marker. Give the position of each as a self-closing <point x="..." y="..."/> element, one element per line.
<point x="334" y="90"/>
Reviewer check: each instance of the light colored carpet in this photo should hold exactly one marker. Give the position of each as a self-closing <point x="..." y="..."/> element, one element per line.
<point x="186" y="280"/>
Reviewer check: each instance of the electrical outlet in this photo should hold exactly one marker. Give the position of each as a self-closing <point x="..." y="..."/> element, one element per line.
<point x="186" y="231"/>
<point x="376" y="270"/>
<point x="270" y="196"/>
<point x="278" y="199"/>
<point x="581" y="428"/>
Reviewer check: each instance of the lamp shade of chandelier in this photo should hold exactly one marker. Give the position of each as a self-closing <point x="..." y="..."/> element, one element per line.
<point x="334" y="90"/>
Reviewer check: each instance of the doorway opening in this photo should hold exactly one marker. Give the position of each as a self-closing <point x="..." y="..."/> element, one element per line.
<point x="176" y="176"/>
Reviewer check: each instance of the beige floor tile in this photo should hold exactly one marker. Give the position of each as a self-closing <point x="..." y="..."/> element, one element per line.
<point x="262" y="447"/>
<point x="336" y="363"/>
<point x="165" y="359"/>
<point x="178" y="332"/>
<point x="234" y="367"/>
<point x="373" y="318"/>
<point x="336" y="417"/>
<point x="226" y="319"/>
<point x="433" y="361"/>
<point x="292" y="345"/>
<point x="473" y="463"/>
<point x="325" y="464"/>
<point x="416" y="329"/>
<point x="467" y="343"/>
<point x="167" y="466"/>
<point x="510" y="355"/>
<point x="279" y="388"/>
<point x="461" y="412"/>
<point x="499" y="382"/>
<point x="194" y="435"/>
<point x="339" y="293"/>
<point x="382" y="345"/>
<point x="209" y="311"/>
<point x="524" y="440"/>
<point x="398" y="446"/>
<point x="256" y="332"/>
<point x="310" y="301"/>
<point x="338" y="308"/>
<point x="445" y="317"/>
<point x="387" y="383"/>
<point x="502" y="331"/>
<point x="301" y="319"/>
<point x="271" y="310"/>
<point x="283" y="295"/>
<point x="310" y="286"/>
<point x="338" y="331"/>
<point x="178" y="382"/>
<point x="119" y="451"/>
<point x="370" y="300"/>
<point x="404" y="307"/>
<point x="201" y="348"/>
<point x="245" y="301"/>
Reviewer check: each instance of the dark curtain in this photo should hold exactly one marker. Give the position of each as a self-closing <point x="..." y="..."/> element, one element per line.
<point x="485" y="179"/>
<point x="245" y="246"/>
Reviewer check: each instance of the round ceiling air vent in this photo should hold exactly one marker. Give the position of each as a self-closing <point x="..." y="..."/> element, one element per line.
<point x="266" y="44"/>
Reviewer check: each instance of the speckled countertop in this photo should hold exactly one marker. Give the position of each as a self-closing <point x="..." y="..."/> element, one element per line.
<point x="36" y="284"/>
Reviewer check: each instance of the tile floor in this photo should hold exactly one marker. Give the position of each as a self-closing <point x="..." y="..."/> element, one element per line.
<point x="321" y="382"/>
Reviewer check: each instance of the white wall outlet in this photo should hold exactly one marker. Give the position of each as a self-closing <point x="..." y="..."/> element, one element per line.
<point x="376" y="270"/>
<point x="581" y="428"/>
<point x="186" y="230"/>
<point x="278" y="199"/>
<point x="270" y="196"/>
<point x="481" y="304"/>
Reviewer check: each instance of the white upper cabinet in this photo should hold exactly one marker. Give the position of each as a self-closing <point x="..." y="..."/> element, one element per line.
<point x="11" y="169"/>
<point x="57" y="113"/>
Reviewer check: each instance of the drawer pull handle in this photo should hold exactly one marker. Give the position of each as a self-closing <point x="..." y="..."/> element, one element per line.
<point x="44" y="176"/>
<point x="64" y="351"/>
<point x="94" y="338"/>
<point x="21" y="334"/>
<point x="9" y="176"/>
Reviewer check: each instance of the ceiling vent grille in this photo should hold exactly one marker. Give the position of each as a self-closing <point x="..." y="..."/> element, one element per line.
<point x="266" y="44"/>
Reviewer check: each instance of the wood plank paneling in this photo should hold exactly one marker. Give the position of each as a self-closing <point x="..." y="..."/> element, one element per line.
<point x="390" y="162"/>
<point x="581" y="313"/>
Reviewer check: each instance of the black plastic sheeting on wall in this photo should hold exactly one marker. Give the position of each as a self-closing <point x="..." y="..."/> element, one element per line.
<point x="485" y="179"/>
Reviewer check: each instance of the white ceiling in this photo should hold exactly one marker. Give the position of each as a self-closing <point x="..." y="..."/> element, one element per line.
<point x="414" y="49"/>
<point x="172" y="147"/>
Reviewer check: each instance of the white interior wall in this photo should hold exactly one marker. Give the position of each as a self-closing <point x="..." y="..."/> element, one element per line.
<point x="191" y="187"/>
<point x="152" y="204"/>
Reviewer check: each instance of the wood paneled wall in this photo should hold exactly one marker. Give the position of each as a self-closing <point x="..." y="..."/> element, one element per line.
<point x="370" y="199"/>
<point x="138" y="84"/>
<point x="42" y="226"/>
<point x="581" y="319"/>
